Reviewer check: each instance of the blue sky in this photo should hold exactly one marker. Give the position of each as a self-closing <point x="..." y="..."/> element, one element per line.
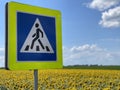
<point x="90" y="30"/>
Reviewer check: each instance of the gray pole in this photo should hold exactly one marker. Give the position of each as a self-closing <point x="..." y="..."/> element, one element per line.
<point x="35" y="79"/>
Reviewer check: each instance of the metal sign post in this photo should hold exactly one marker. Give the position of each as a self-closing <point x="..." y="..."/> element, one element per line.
<point x="35" y="79"/>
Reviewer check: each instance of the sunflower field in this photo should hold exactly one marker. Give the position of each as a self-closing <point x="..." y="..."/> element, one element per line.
<point x="61" y="79"/>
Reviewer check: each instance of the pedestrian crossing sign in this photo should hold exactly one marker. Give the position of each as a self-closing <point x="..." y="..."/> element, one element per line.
<point x="36" y="41"/>
<point x="33" y="37"/>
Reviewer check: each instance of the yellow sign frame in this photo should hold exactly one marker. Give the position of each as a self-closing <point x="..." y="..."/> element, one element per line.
<point x="11" y="37"/>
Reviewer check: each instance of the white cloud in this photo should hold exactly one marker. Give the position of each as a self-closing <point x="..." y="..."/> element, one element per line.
<point x="1" y="49"/>
<point x="111" y="18"/>
<point x="90" y="54"/>
<point x="85" y="48"/>
<point x="110" y="12"/>
<point x="103" y="4"/>
<point x="2" y="60"/>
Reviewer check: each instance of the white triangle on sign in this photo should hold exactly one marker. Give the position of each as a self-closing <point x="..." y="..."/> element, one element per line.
<point x="37" y="41"/>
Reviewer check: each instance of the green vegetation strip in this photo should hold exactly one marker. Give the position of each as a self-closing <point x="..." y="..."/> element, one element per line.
<point x="110" y="67"/>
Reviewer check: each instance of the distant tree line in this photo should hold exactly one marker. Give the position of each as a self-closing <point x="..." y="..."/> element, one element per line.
<point x="95" y="66"/>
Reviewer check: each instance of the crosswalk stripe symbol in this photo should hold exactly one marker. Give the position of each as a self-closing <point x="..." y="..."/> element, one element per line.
<point x="37" y="41"/>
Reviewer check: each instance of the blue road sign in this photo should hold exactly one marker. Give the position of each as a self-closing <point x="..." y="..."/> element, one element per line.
<point x="33" y="37"/>
<point x="36" y="37"/>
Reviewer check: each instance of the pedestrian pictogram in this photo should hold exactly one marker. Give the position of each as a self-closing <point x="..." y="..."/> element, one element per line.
<point x="37" y="41"/>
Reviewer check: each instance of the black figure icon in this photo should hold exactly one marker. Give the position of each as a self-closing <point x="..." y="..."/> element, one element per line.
<point x="36" y="36"/>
